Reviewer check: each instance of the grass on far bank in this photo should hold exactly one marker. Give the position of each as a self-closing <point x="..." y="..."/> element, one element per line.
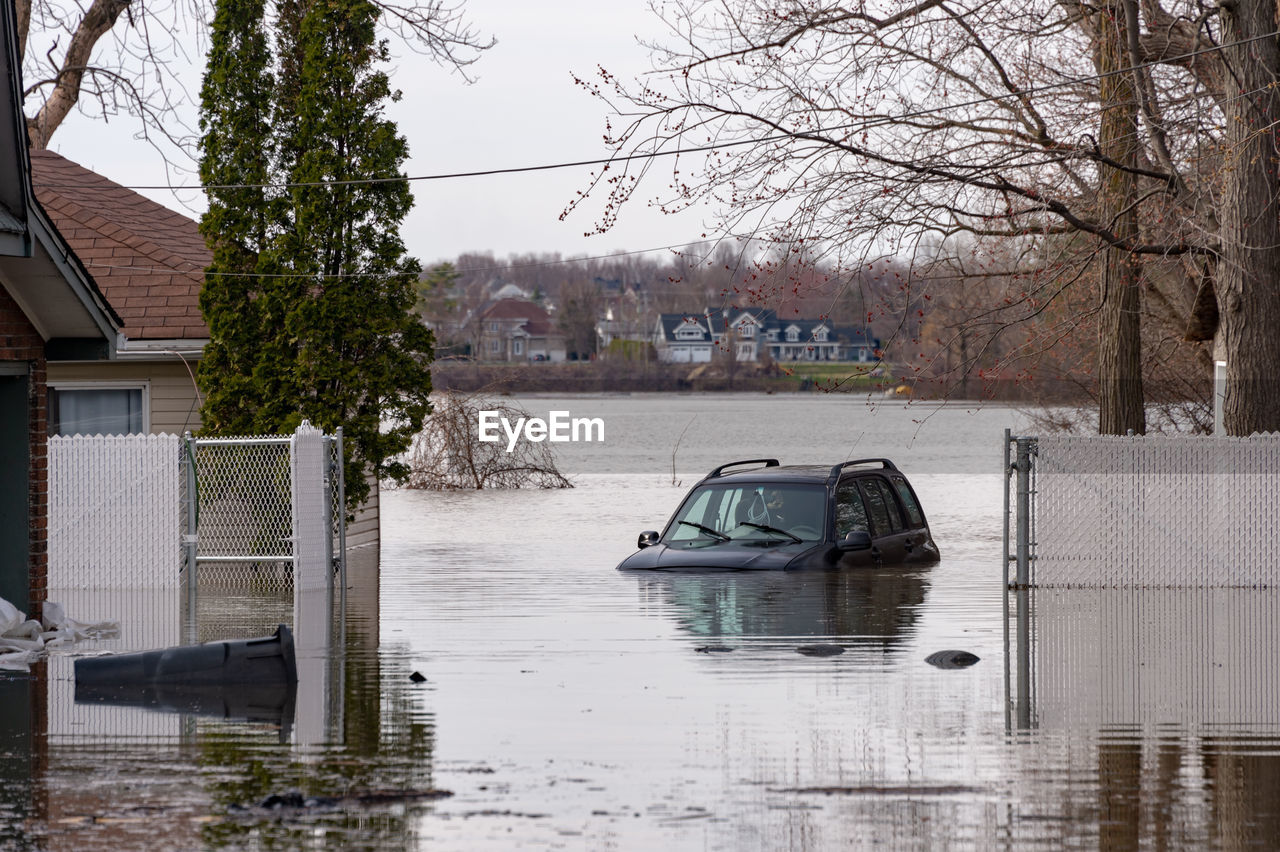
<point x="846" y="375"/>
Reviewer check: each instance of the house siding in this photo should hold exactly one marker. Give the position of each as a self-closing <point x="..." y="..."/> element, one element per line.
<point x="363" y="531"/>
<point x="173" y="407"/>
<point x="20" y="342"/>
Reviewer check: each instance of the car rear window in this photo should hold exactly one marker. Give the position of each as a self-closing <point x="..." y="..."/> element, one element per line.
<point x="881" y="505"/>
<point x="908" y="501"/>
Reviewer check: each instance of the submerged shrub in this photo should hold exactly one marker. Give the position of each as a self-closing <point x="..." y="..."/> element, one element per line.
<point x="449" y="455"/>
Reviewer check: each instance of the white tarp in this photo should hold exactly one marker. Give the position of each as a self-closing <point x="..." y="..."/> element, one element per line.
<point x="23" y="641"/>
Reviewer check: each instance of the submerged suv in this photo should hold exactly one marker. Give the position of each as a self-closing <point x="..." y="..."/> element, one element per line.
<point x="858" y="513"/>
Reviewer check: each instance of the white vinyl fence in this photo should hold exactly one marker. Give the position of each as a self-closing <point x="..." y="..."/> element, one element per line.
<point x="115" y="512"/>
<point x="1149" y="511"/>
<point x="217" y="536"/>
<point x="132" y="512"/>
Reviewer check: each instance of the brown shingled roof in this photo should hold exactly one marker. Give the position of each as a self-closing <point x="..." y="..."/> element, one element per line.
<point x="148" y="260"/>
<point x="536" y="320"/>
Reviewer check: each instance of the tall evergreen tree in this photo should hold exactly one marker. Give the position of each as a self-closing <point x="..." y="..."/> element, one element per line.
<point x="333" y="337"/>
<point x="235" y="122"/>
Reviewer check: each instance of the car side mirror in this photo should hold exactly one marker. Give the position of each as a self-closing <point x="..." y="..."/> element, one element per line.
<point x="649" y="538"/>
<point x="856" y="540"/>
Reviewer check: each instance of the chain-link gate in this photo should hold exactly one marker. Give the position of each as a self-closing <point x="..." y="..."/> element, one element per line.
<point x="240" y="536"/>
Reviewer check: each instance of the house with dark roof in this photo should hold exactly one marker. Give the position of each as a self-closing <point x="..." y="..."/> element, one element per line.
<point x="149" y="263"/>
<point x="50" y="312"/>
<point x="516" y="330"/>
<point x="684" y="339"/>
<point x="753" y="333"/>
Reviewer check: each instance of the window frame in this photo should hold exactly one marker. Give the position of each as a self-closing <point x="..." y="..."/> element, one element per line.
<point x="143" y="385"/>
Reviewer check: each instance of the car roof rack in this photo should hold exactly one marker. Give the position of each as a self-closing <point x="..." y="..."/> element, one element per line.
<point x="838" y="469"/>
<point x="720" y="470"/>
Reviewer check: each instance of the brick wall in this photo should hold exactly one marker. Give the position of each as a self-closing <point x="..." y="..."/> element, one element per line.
<point x="19" y="341"/>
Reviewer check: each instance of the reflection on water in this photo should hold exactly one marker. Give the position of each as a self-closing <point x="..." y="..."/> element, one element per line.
<point x="197" y="779"/>
<point x="869" y="608"/>
<point x="1180" y="691"/>
<point x="1108" y="658"/>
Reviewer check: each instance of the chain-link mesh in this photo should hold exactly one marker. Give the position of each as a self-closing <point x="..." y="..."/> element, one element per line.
<point x="337" y="499"/>
<point x="246" y="507"/>
<point x="228" y="608"/>
<point x="1158" y="511"/>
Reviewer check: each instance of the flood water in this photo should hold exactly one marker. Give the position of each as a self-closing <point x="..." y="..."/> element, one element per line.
<point x="566" y="705"/>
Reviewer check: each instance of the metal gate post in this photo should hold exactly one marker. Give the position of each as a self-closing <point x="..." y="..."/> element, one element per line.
<point x="1008" y="470"/>
<point x="342" y="537"/>
<point x="1023" y="466"/>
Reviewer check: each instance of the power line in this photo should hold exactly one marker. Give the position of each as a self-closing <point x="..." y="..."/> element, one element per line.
<point x="700" y="149"/>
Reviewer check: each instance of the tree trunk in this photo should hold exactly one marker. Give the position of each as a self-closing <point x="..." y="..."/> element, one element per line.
<point x="97" y="22"/>
<point x="1120" y="397"/>
<point x="1248" y="285"/>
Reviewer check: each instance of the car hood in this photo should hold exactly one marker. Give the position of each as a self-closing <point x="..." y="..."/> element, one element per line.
<point x="727" y="556"/>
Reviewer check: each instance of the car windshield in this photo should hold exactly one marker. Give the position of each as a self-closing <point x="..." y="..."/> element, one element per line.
<point x="731" y="512"/>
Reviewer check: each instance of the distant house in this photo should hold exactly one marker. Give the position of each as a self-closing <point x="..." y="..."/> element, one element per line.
<point x="516" y="330"/>
<point x="755" y="332"/>
<point x="50" y="312"/>
<point x="509" y="291"/>
<point x="684" y="339"/>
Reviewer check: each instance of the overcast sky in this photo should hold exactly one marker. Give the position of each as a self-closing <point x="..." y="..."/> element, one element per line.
<point x="523" y="110"/>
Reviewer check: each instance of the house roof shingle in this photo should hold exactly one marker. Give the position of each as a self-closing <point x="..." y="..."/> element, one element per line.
<point x="536" y="321"/>
<point x="148" y="260"/>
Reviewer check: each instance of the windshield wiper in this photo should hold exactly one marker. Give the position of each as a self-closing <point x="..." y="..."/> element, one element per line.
<point x="768" y="528"/>
<point x="716" y="534"/>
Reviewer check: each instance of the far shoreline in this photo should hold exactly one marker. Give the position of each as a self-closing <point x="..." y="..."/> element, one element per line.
<point x="620" y="376"/>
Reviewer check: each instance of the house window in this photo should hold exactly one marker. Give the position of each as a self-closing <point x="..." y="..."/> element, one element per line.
<point x="820" y="334"/>
<point x="689" y="333"/>
<point x="793" y="334"/>
<point x="747" y="329"/>
<point x="494" y="326"/>
<point x="97" y="410"/>
<point x="517" y="346"/>
<point x="493" y="345"/>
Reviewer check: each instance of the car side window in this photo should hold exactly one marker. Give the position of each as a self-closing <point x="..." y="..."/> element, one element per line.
<point x="914" y="515"/>
<point x="850" y="513"/>
<point x="881" y="505"/>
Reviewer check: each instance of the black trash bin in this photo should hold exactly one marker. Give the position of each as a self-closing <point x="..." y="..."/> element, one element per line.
<point x="272" y="703"/>
<point x="249" y="662"/>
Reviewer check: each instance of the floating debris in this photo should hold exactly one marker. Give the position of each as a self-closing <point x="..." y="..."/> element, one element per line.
<point x="884" y="790"/>
<point x="820" y="650"/>
<point x="713" y="649"/>
<point x="295" y="802"/>
<point x="951" y="659"/>
<point x="417" y="677"/>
